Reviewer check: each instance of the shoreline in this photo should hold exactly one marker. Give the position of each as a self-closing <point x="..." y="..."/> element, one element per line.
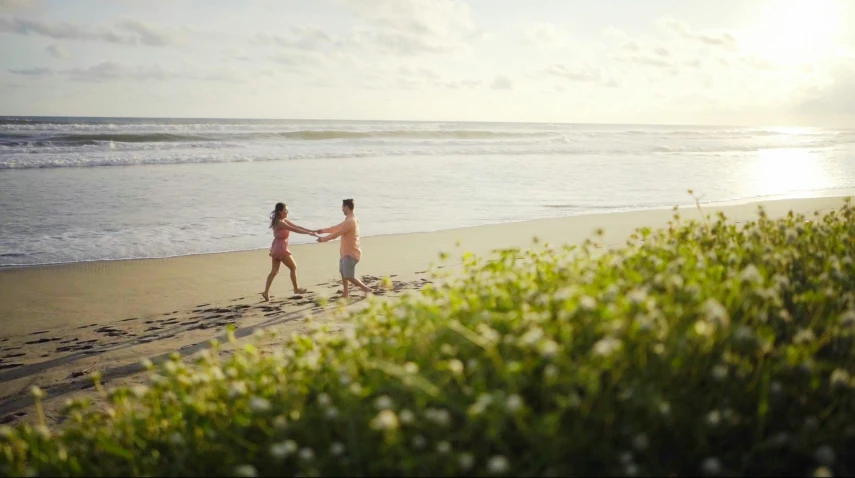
<point x="102" y="291"/>
<point x="817" y="194"/>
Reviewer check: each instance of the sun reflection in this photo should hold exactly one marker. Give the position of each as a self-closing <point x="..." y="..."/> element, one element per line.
<point x="776" y="171"/>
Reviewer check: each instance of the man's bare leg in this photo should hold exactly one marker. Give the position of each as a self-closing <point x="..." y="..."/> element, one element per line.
<point x="344" y="288"/>
<point x="358" y="283"/>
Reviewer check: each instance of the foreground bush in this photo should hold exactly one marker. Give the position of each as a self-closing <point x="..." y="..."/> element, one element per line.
<point x="706" y="348"/>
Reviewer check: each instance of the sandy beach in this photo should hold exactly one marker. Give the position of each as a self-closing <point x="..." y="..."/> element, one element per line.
<point x="61" y="323"/>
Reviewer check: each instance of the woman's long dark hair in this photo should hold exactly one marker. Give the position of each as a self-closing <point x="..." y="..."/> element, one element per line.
<point x="274" y="216"/>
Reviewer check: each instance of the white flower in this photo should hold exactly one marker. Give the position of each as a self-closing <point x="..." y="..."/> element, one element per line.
<point x="514" y="403"/>
<point x="587" y="303"/>
<point x="332" y="412"/>
<point x="443" y="447"/>
<point x="751" y="274"/>
<point x="439" y="416"/>
<point x="407" y="417"/>
<point x="217" y="373"/>
<point x="847" y="318"/>
<point x="383" y="402"/>
<point x="714" y="312"/>
<point x="170" y="367"/>
<point x="548" y="348"/>
<point x="455" y="366"/>
<point x="550" y="371"/>
<point x="237" y="389"/>
<point x="532" y="336"/>
<point x="711" y="466"/>
<point x="466" y="461"/>
<point x="640" y="442"/>
<point x="743" y="333"/>
<point x="282" y="450"/>
<point x="804" y="336"/>
<point x="246" y="471"/>
<point x="606" y="346"/>
<point x="714" y="418"/>
<point x="822" y="472"/>
<point x="324" y="400"/>
<point x="176" y="439"/>
<point x="498" y="465"/>
<point x="259" y="404"/>
<point x="480" y="405"/>
<point x="411" y="367"/>
<point x="637" y="296"/>
<point x="824" y="455"/>
<point x="839" y="378"/>
<point x="719" y="372"/>
<point x="139" y="391"/>
<point x="563" y="293"/>
<point x="385" y="420"/>
<point x="280" y="423"/>
<point x="307" y="454"/>
<point x="337" y="449"/>
<point x="147" y="364"/>
<point x="419" y="442"/>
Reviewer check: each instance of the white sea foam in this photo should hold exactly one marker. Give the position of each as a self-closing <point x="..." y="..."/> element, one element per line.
<point x="199" y="186"/>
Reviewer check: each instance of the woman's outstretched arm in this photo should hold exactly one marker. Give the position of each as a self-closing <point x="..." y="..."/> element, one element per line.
<point x="295" y="228"/>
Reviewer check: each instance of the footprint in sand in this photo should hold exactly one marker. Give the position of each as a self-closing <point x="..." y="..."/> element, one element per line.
<point x="42" y="341"/>
<point x="11" y="417"/>
<point x="74" y="348"/>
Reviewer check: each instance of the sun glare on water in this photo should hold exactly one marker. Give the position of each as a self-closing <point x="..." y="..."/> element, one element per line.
<point x="792" y="32"/>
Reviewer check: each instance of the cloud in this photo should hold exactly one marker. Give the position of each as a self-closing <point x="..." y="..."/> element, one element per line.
<point x="419" y="72"/>
<point x="305" y="37"/>
<point x="577" y="73"/>
<point x="644" y="60"/>
<point x="110" y="70"/>
<point x="58" y="51"/>
<point x="33" y="72"/>
<point x="6" y="5"/>
<point x="414" y="27"/>
<point x="612" y="83"/>
<point x="147" y="35"/>
<point x="837" y="97"/>
<point x="615" y="33"/>
<point x="713" y="38"/>
<point x="127" y="32"/>
<point x="542" y="35"/>
<point x="457" y="85"/>
<point x="502" y="82"/>
<point x="758" y="63"/>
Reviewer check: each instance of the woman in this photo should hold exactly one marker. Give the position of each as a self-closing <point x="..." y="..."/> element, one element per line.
<point x="279" y="252"/>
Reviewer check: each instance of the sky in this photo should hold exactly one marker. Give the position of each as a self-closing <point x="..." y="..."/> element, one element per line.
<point x="724" y="62"/>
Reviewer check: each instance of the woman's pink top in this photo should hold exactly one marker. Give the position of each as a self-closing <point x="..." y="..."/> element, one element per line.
<point x="279" y="248"/>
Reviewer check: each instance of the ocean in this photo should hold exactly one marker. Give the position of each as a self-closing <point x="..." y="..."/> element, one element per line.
<point x="87" y="189"/>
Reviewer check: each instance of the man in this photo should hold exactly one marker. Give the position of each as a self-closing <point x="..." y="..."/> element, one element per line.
<point x="348" y="230"/>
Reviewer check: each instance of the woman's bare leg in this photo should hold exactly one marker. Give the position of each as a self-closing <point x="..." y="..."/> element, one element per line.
<point x="290" y="264"/>
<point x="274" y="269"/>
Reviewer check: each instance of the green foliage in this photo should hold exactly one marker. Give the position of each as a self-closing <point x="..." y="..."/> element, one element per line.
<point x="704" y="348"/>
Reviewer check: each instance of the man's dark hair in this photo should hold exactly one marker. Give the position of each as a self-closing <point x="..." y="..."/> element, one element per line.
<point x="348" y="203"/>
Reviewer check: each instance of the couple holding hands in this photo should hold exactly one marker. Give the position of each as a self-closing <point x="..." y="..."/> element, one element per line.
<point x="348" y="230"/>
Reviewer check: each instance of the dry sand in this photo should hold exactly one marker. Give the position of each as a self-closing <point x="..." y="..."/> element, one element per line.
<point x="62" y="322"/>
